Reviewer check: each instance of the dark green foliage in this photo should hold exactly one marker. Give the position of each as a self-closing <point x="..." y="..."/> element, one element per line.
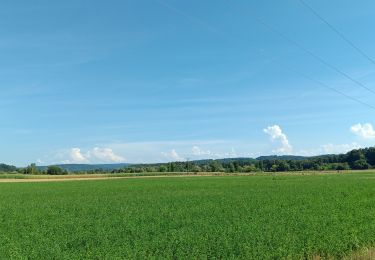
<point x="370" y="155"/>
<point x="357" y="160"/>
<point x="254" y="217"/>
<point x="88" y="167"/>
<point x="355" y="157"/>
<point x="55" y="170"/>
<point x="360" y="164"/>
<point x="31" y="169"/>
<point x="283" y="166"/>
<point x="7" y="168"/>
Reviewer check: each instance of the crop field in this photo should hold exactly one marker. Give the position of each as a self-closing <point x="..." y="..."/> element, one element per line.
<point x="248" y="217"/>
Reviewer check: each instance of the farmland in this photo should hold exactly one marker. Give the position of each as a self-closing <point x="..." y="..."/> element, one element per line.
<point x="249" y="217"/>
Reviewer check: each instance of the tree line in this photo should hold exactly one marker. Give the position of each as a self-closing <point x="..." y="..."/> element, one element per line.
<point x="33" y="169"/>
<point x="358" y="159"/>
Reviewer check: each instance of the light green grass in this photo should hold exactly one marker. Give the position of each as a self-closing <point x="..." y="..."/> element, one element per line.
<point x="111" y="175"/>
<point x="248" y="217"/>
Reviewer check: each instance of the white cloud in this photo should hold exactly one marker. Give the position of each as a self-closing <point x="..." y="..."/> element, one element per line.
<point x="365" y="131"/>
<point x="340" y="148"/>
<point x="197" y="151"/>
<point x="173" y="155"/>
<point x="277" y="134"/>
<point x="95" y="155"/>
<point x="330" y="149"/>
<point x="104" y="155"/>
<point x="75" y="156"/>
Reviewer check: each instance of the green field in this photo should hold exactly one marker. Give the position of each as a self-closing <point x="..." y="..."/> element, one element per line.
<point x="249" y="217"/>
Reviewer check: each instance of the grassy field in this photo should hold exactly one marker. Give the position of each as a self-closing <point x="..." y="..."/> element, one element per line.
<point x="145" y="174"/>
<point x="101" y="175"/>
<point x="249" y="217"/>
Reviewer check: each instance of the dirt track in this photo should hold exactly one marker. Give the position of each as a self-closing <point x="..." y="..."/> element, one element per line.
<point x="90" y="178"/>
<point x="101" y="177"/>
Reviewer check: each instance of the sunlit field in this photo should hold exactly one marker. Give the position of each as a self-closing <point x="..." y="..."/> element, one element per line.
<point x="249" y="217"/>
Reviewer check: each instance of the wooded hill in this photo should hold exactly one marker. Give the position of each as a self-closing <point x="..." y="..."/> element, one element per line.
<point x="356" y="160"/>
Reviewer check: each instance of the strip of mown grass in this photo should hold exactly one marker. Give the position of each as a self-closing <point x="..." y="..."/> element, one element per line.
<point x="145" y="174"/>
<point x="106" y="175"/>
<point x="249" y="217"/>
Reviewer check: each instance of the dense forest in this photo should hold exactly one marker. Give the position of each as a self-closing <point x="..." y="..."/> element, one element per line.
<point x="356" y="160"/>
<point x="359" y="159"/>
<point x="7" y="168"/>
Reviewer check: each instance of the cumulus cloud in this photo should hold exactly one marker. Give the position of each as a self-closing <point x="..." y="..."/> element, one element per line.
<point x="365" y="131"/>
<point x="330" y="149"/>
<point x="277" y="135"/>
<point x="173" y="155"/>
<point x="340" y="148"/>
<point x="75" y="156"/>
<point x="104" y="155"/>
<point x="95" y="155"/>
<point x="197" y="151"/>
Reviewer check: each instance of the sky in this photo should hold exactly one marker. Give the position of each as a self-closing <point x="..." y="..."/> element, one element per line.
<point x="164" y="80"/>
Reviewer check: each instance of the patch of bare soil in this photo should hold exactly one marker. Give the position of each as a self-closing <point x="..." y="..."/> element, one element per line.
<point x="364" y="254"/>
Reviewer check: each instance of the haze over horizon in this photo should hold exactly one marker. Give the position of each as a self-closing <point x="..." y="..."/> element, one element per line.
<point x="157" y="81"/>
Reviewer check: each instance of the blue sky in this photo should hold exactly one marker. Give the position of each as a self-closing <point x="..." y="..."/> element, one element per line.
<point x="154" y="81"/>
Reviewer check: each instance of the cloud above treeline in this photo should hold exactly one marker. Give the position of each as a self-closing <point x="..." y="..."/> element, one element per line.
<point x="197" y="151"/>
<point x="166" y="151"/>
<point x="95" y="155"/>
<point x="172" y="155"/>
<point x="277" y="136"/>
<point x="365" y="131"/>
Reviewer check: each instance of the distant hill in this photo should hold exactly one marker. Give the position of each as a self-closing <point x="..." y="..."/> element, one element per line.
<point x="355" y="159"/>
<point x="7" y="168"/>
<point x="110" y="167"/>
<point x="226" y="160"/>
<point x="283" y="157"/>
<point x="88" y="167"/>
<point x="260" y="158"/>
